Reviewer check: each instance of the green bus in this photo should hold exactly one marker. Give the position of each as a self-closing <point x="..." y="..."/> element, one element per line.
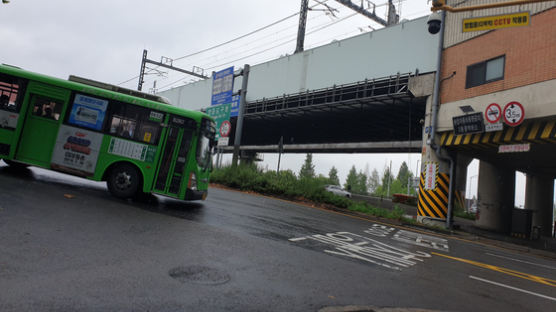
<point x="137" y="142"/>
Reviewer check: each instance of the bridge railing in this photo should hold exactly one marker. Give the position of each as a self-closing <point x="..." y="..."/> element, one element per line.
<point x="337" y="95"/>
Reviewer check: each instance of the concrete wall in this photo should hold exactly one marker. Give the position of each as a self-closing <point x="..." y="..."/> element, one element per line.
<point x="402" y="48"/>
<point x="454" y="34"/>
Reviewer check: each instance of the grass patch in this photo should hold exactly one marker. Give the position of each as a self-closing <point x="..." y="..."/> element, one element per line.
<point x="285" y="184"/>
<point x="464" y="214"/>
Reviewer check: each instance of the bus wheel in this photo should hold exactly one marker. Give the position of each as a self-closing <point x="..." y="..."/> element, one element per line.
<point x="123" y="181"/>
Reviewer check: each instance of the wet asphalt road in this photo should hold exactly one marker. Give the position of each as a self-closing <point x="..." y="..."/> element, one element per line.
<point x="237" y="252"/>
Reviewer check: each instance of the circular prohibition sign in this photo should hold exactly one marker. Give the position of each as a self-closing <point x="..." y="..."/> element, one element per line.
<point x="225" y="128"/>
<point x="513" y="114"/>
<point x="493" y="113"/>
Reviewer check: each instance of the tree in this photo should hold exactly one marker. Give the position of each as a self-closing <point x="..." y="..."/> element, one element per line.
<point x="373" y="182"/>
<point x="361" y="186"/>
<point x="333" y="176"/>
<point x="308" y="169"/>
<point x="404" y="174"/>
<point x="351" y="180"/>
<point x="387" y="177"/>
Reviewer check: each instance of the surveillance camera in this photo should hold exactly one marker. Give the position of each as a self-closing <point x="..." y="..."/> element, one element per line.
<point x="434" y="22"/>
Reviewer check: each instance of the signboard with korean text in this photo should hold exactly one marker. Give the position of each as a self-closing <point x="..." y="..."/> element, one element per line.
<point x="222" y="86"/>
<point x="514" y="148"/>
<point x="77" y="149"/>
<point x="470" y="123"/>
<point x="496" y="22"/>
<point x="133" y="150"/>
<point x="235" y="106"/>
<point x="430" y="176"/>
<point x="221" y="115"/>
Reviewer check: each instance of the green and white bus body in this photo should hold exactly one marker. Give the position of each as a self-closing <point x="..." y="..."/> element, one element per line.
<point x="132" y="140"/>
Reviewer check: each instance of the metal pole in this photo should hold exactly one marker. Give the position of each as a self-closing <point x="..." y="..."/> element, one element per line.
<point x="280" y="150"/>
<point x="302" y="24"/>
<point x="142" y="72"/>
<point x="239" y="125"/>
<point x="389" y="179"/>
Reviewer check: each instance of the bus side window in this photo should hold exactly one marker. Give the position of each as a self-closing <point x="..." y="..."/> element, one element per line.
<point x="46" y="107"/>
<point x="10" y="93"/>
<point x="122" y="120"/>
<point x="134" y="122"/>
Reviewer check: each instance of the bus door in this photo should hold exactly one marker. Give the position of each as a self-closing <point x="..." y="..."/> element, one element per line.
<point x="171" y="168"/>
<point x="45" y="108"/>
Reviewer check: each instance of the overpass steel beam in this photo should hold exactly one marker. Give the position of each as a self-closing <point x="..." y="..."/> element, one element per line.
<point x="361" y="147"/>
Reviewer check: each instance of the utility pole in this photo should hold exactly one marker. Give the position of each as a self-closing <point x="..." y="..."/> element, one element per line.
<point x="239" y="124"/>
<point x="145" y="60"/>
<point x="280" y="151"/>
<point x="302" y="25"/>
<point x="389" y="179"/>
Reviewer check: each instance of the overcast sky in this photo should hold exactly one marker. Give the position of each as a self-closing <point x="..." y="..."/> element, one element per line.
<point x="104" y="40"/>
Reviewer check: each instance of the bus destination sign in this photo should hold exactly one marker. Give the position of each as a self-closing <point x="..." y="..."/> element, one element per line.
<point x="470" y="123"/>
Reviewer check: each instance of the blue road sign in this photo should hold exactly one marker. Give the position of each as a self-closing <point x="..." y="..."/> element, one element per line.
<point x="222" y="86"/>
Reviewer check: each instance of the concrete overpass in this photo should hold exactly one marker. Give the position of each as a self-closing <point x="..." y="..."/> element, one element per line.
<point x="362" y="94"/>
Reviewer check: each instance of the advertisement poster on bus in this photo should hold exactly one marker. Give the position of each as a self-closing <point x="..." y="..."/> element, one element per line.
<point x="77" y="150"/>
<point x="88" y="112"/>
<point x="8" y="119"/>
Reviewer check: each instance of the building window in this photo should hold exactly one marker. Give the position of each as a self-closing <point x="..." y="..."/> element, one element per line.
<point x="485" y="72"/>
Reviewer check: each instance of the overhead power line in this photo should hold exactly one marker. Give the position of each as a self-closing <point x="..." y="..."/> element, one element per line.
<point x="267" y="49"/>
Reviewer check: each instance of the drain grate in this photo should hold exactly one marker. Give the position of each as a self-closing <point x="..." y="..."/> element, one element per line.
<point x="199" y="275"/>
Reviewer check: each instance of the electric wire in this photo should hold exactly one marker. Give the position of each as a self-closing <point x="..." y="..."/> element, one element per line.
<point x="235" y="39"/>
<point x="268" y="49"/>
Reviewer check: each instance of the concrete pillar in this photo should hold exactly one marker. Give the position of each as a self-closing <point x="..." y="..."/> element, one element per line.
<point x="496" y="195"/>
<point x="539" y="194"/>
<point x="433" y="203"/>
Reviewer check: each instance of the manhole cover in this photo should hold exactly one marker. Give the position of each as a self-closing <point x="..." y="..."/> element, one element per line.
<point x="199" y="274"/>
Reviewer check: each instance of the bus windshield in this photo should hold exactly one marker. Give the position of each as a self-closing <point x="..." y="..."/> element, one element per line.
<point x="206" y="143"/>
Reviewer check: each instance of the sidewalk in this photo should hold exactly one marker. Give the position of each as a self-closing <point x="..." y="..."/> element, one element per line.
<point x="545" y="246"/>
<point x="466" y="229"/>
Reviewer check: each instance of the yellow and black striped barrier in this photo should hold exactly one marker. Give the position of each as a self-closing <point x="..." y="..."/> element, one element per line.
<point x="533" y="131"/>
<point x="434" y="203"/>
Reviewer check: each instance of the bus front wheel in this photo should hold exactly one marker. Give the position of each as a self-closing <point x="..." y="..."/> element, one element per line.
<point x="123" y="181"/>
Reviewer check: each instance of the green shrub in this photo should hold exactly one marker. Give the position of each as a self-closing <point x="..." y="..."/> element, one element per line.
<point x="287" y="185"/>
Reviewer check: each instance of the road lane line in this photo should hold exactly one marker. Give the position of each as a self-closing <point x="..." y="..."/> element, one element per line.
<point x="523" y="261"/>
<point x="530" y="277"/>
<point x="370" y="220"/>
<point x="511" y="287"/>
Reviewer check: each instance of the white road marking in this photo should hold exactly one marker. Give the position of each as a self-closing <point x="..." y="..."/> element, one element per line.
<point x="511" y="287"/>
<point x="367" y="249"/>
<point x="523" y="261"/>
<point x="421" y="240"/>
<point x="297" y="239"/>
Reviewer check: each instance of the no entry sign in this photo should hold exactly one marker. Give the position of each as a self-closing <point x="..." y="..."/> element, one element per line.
<point x="493" y="113"/>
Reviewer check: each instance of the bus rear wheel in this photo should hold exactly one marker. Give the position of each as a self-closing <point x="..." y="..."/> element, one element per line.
<point x="123" y="181"/>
